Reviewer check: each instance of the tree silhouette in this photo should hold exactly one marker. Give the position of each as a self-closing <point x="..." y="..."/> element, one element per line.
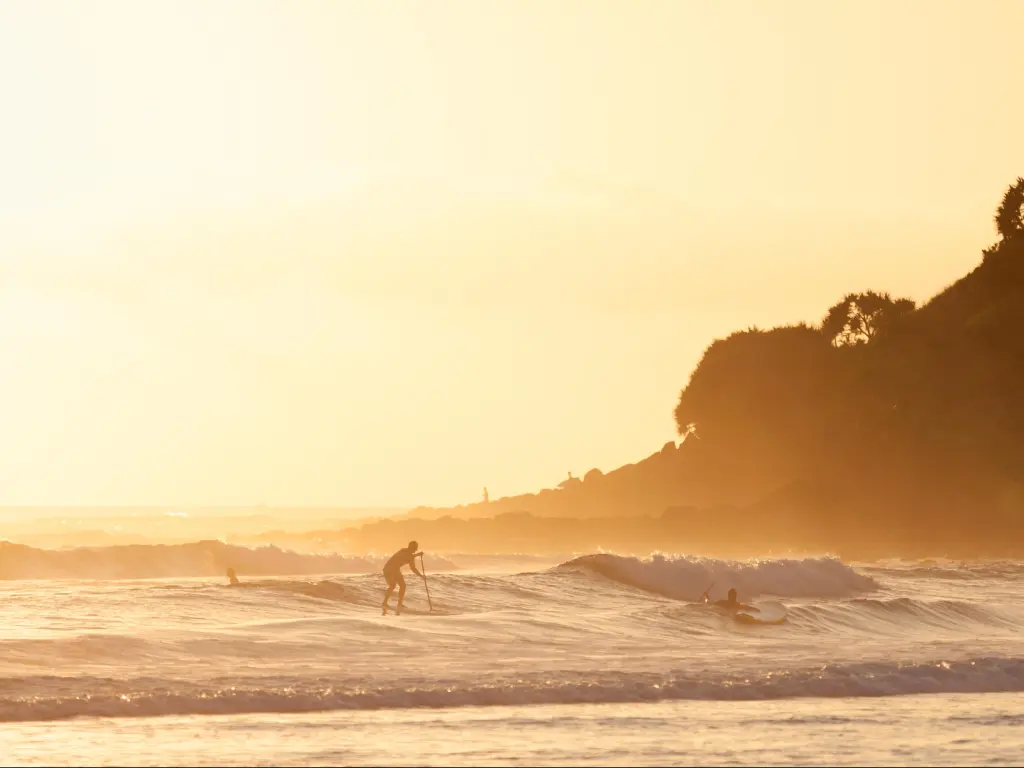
<point x="1009" y="221"/>
<point x="860" y="317"/>
<point x="747" y="379"/>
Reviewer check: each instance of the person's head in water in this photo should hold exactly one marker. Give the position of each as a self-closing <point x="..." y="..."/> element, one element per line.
<point x="413" y="546"/>
<point x="232" y="579"/>
<point x="733" y="596"/>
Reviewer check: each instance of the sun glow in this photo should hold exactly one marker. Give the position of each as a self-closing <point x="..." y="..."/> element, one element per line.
<point x="344" y="252"/>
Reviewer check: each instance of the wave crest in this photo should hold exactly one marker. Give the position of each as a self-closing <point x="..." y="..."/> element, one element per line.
<point x="200" y="558"/>
<point x="686" y="578"/>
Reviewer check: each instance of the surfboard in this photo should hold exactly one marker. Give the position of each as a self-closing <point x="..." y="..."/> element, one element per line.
<point x="768" y="612"/>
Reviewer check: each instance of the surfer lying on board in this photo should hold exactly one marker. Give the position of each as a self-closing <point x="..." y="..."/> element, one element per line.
<point x="732" y="602"/>
<point x="393" y="572"/>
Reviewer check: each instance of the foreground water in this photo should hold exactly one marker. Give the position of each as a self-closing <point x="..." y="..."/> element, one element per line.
<point x="943" y="729"/>
<point x="601" y="659"/>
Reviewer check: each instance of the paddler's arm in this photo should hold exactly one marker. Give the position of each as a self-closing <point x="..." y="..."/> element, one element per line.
<point x="412" y="564"/>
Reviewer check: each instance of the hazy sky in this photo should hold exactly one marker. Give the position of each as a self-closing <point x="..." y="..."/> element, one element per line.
<point x="347" y="253"/>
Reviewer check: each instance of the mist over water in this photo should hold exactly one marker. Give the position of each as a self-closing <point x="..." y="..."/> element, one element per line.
<point x="59" y="527"/>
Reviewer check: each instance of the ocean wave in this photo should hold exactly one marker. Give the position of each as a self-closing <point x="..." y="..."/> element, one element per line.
<point x="200" y="558"/>
<point x="333" y="591"/>
<point x="901" y="614"/>
<point x="948" y="569"/>
<point x="686" y="578"/>
<point x="57" y="698"/>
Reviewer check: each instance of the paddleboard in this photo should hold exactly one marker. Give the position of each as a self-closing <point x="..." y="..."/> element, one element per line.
<point x="414" y="612"/>
<point x="768" y="612"/>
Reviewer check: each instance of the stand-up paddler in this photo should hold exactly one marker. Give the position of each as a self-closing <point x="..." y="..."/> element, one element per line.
<point x="393" y="573"/>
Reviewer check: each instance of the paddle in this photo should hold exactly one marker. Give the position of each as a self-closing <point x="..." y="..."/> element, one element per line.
<point x="423" y="568"/>
<point x="705" y="597"/>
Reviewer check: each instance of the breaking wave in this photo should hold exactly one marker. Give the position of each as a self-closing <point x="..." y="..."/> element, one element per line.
<point x="686" y="578"/>
<point x="151" y="697"/>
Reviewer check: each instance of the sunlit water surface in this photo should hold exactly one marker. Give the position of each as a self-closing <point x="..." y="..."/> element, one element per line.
<point x="603" y="660"/>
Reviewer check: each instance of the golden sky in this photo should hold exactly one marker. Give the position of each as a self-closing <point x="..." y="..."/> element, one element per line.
<point x="358" y="253"/>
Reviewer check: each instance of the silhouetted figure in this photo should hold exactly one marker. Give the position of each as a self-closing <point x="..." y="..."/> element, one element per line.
<point x="732" y="602"/>
<point x="232" y="578"/>
<point x="393" y="573"/>
<point x="487" y="496"/>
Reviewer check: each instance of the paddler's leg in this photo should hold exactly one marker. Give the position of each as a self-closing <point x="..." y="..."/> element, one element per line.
<point x="391" y="588"/>
<point x="401" y="591"/>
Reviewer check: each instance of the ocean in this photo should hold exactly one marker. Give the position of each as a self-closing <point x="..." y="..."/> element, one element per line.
<point x="138" y="655"/>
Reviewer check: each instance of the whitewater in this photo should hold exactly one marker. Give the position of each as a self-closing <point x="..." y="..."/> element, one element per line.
<point x="144" y="655"/>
